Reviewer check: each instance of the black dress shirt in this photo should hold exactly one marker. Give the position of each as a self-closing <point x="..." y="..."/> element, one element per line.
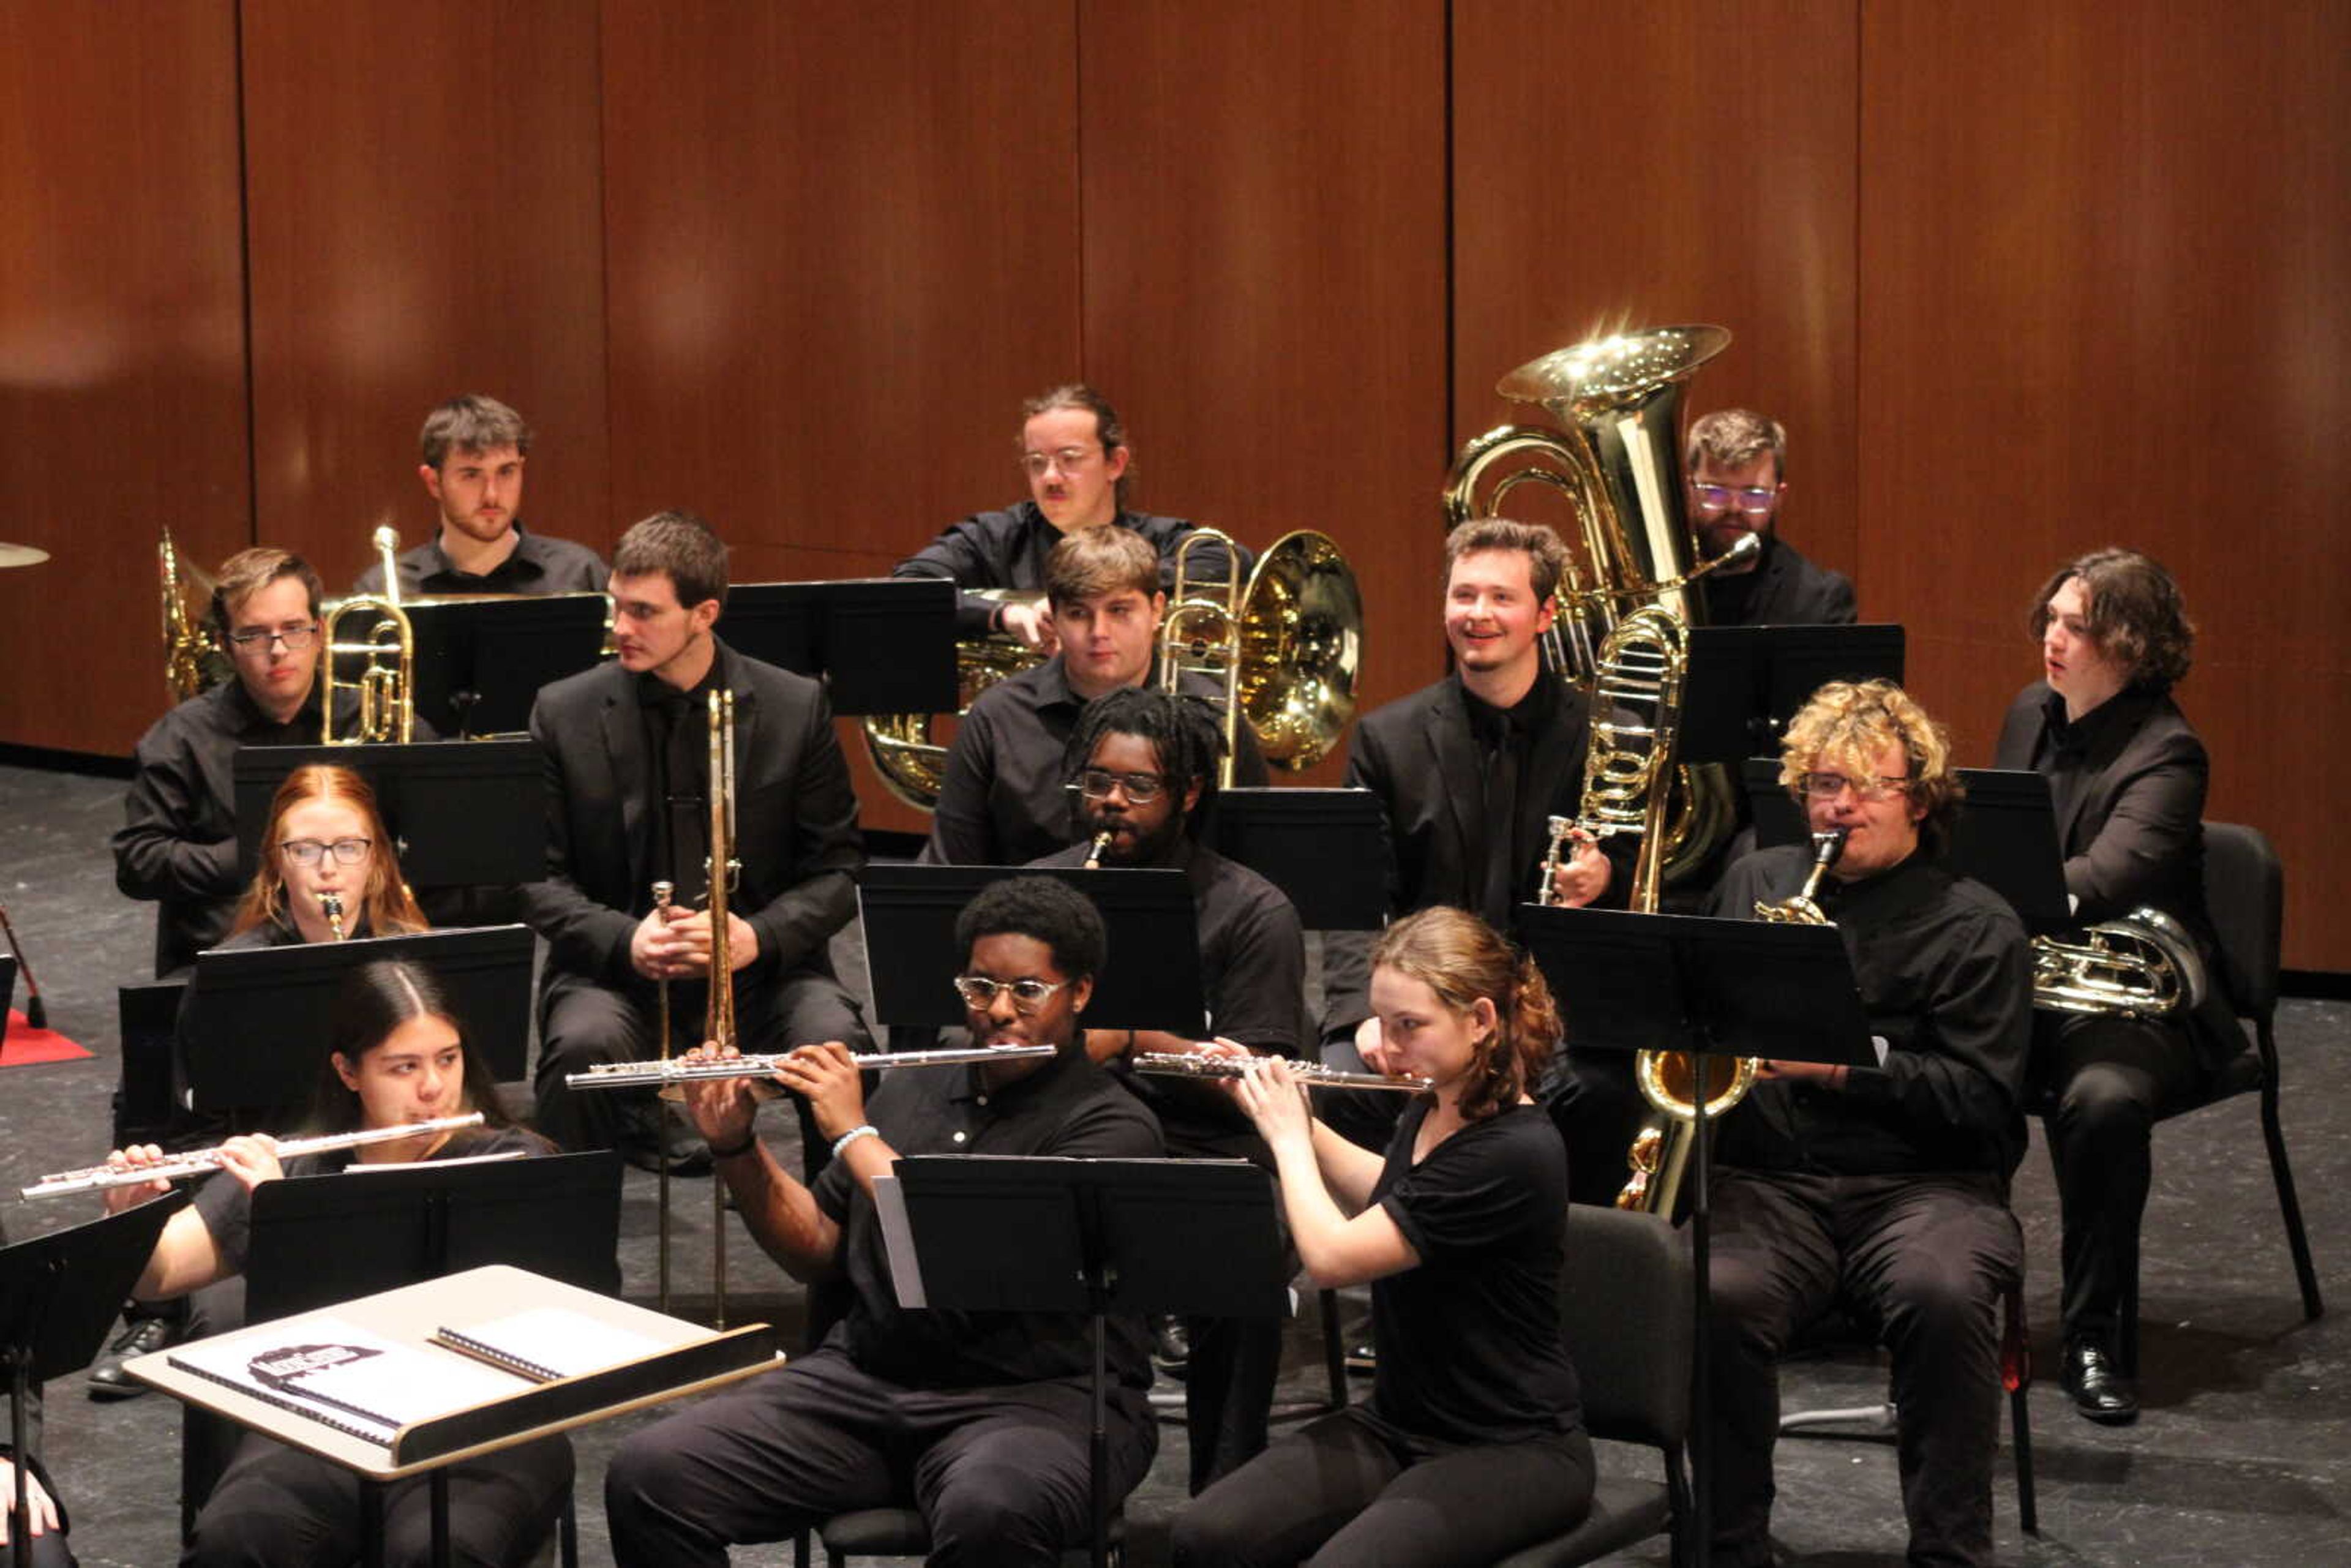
<point x="1005" y="799"/>
<point x="1008" y="549"/>
<point x="1783" y="589"/>
<point x="1946" y="979"/>
<point x="1253" y="972"/>
<point x="1068" y="1108"/>
<point x="178" y="839"/>
<point x="537" y="564"/>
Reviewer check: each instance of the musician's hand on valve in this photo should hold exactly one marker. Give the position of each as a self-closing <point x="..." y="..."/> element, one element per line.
<point x="119" y="1199"/>
<point x="828" y="1080"/>
<point x="722" y="1109"/>
<point x="1583" y="874"/>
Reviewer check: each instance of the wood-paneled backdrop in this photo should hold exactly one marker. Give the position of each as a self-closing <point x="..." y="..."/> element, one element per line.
<point x="2022" y="278"/>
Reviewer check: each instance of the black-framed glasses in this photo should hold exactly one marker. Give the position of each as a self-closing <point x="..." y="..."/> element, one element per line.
<point x="1069" y="460"/>
<point x="1755" y="500"/>
<point x="978" y="992"/>
<point x="296" y="635"/>
<point x="1142" y="788"/>
<point x="311" y="852"/>
<point x="1829" y="786"/>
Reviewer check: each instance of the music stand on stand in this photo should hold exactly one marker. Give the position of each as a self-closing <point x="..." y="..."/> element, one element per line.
<point x="1711" y="987"/>
<point x="459" y="815"/>
<point x="1043" y="1234"/>
<point x="881" y="644"/>
<point x="59" y="1295"/>
<point x="1327" y="850"/>
<point x="480" y="662"/>
<point x="1745" y="683"/>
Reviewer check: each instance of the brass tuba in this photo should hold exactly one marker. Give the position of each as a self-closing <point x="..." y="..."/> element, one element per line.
<point x="193" y="663"/>
<point x="1615" y="454"/>
<point x="2141" y="965"/>
<point x="1285" y="645"/>
<point x="913" y="766"/>
<point x="1669" y="1079"/>
<point x="385" y="678"/>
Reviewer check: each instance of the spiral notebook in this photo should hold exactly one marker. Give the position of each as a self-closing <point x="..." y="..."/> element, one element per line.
<point x="344" y="1377"/>
<point x="548" y="1343"/>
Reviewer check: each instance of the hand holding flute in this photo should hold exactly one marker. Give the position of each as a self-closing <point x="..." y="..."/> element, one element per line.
<point x="826" y="1076"/>
<point x="251" y="1157"/>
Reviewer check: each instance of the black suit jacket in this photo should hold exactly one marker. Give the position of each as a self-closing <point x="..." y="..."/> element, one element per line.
<point x="795" y="815"/>
<point x="1790" y="591"/>
<point x="1418" y="755"/>
<point x="2135" y="835"/>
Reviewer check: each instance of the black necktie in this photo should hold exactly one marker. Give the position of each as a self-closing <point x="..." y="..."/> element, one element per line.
<point x="1501" y="828"/>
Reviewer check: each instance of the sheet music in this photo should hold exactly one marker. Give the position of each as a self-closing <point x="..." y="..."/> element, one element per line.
<point x="547" y="1342"/>
<point x="339" y="1373"/>
<point x="898" y="1239"/>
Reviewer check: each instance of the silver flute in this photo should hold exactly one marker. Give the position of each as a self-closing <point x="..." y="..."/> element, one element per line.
<point x="1185" y="1064"/>
<point x="679" y="1070"/>
<point x="199" y="1162"/>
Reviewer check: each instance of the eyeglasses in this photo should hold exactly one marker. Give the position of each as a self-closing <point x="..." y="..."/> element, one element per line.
<point x="1755" y="500"/>
<point x="1069" y="460"/>
<point x="311" y="852"/>
<point x="1142" y="788"/>
<point x="1829" y="786"/>
<point x="978" y="992"/>
<point x="296" y="635"/>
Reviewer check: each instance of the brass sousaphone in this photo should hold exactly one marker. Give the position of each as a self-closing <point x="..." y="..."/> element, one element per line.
<point x="1615" y="454"/>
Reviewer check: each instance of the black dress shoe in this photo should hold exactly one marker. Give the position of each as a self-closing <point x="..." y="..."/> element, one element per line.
<point x="2100" y="1391"/>
<point x="108" y="1380"/>
<point x="1171" y="1347"/>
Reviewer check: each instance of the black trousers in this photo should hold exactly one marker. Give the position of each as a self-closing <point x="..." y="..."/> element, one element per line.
<point x="582" y="1025"/>
<point x="2112" y="1079"/>
<point x="277" y="1505"/>
<point x="1352" y="1491"/>
<point x="1000" y="1474"/>
<point x="1920" y="1258"/>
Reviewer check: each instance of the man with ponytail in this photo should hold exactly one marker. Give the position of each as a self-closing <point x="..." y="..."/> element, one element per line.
<point x="1472" y="1442"/>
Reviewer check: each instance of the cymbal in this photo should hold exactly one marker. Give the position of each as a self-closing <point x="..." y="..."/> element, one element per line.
<point x="21" y="555"/>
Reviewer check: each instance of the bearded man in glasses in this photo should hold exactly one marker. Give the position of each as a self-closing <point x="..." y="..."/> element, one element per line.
<point x="1883" y="1188"/>
<point x="980" y="1419"/>
<point x="1141" y="767"/>
<point x="177" y="844"/>
<point x="1737" y="463"/>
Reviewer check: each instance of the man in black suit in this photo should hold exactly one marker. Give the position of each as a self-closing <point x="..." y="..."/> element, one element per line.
<point x="1499" y="741"/>
<point x="2126" y="775"/>
<point x="626" y="748"/>
<point x="1737" y="466"/>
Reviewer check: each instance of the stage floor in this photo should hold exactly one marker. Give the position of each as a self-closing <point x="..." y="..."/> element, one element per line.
<point x="2244" y="1455"/>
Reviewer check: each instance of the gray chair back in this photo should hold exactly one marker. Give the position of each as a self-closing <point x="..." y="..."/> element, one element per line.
<point x="1625" y="1297"/>
<point x="2244" y="893"/>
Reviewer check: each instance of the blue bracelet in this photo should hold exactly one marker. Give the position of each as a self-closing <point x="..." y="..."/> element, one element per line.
<point x="866" y="1131"/>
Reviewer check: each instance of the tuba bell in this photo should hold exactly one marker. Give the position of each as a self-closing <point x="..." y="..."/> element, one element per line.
<point x="386" y="672"/>
<point x="2141" y="965"/>
<point x="1616" y="455"/>
<point x="912" y="763"/>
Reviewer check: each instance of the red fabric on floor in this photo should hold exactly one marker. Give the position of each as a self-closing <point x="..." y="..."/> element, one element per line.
<point x="24" y="1045"/>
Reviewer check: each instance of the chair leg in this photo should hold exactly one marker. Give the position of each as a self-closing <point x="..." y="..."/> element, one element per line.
<point x="2289" y="1207"/>
<point x="2016" y="1373"/>
<point x="1334" y="1351"/>
<point x="566" y="1530"/>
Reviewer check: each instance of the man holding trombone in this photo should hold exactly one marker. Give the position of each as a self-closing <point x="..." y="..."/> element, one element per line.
<point x="627" y="749"/>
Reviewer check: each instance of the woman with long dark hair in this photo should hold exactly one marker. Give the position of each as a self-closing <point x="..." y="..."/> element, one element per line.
<point x="1472" y="1442"/>
<point x="398" y="1056"/>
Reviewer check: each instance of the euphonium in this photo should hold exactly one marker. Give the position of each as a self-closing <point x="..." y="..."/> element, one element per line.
<point x="386" y="681"/>
<point x="2142" y="965"/>
<point x="1284" y="645"/>
<point x="1668" y="1079"/>
<point x="1616" y="456"/>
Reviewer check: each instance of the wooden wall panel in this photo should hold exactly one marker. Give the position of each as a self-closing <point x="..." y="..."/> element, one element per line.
<point x="1650" y="164"/>
<point x="1265" y="281"/>
<point x="123" y="389"/>
<point x="2104" y="305"/>
<point x="843" y="247"/>
<point x="424" y="188"/>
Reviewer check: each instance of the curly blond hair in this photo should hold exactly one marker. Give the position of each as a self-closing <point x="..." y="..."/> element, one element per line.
<point x="1846" y="724"/>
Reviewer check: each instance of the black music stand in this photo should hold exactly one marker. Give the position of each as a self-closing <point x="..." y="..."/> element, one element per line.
<point x="59" y="1295"/>
<point x="1709" y="986"/>
<point x="480" y="662"/>
<point x="259" y="1018"/>
<point x="2006" y="837"/>
<point x="881" y="644"/>
<point x="1042" y="1234"/>
<point x="909" y="913"/>
<point x="1745" y="683"/>
<point x="458" y="815"/>
<point x="1327" y="850"/>
<point x="7" y="990"/>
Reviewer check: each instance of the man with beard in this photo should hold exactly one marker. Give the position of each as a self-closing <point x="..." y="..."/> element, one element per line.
<point x="1075" y="454"/>
<point x="1737" y="466"/>
<point x="1142" y="769"/>
<point x="474" y="449"/>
